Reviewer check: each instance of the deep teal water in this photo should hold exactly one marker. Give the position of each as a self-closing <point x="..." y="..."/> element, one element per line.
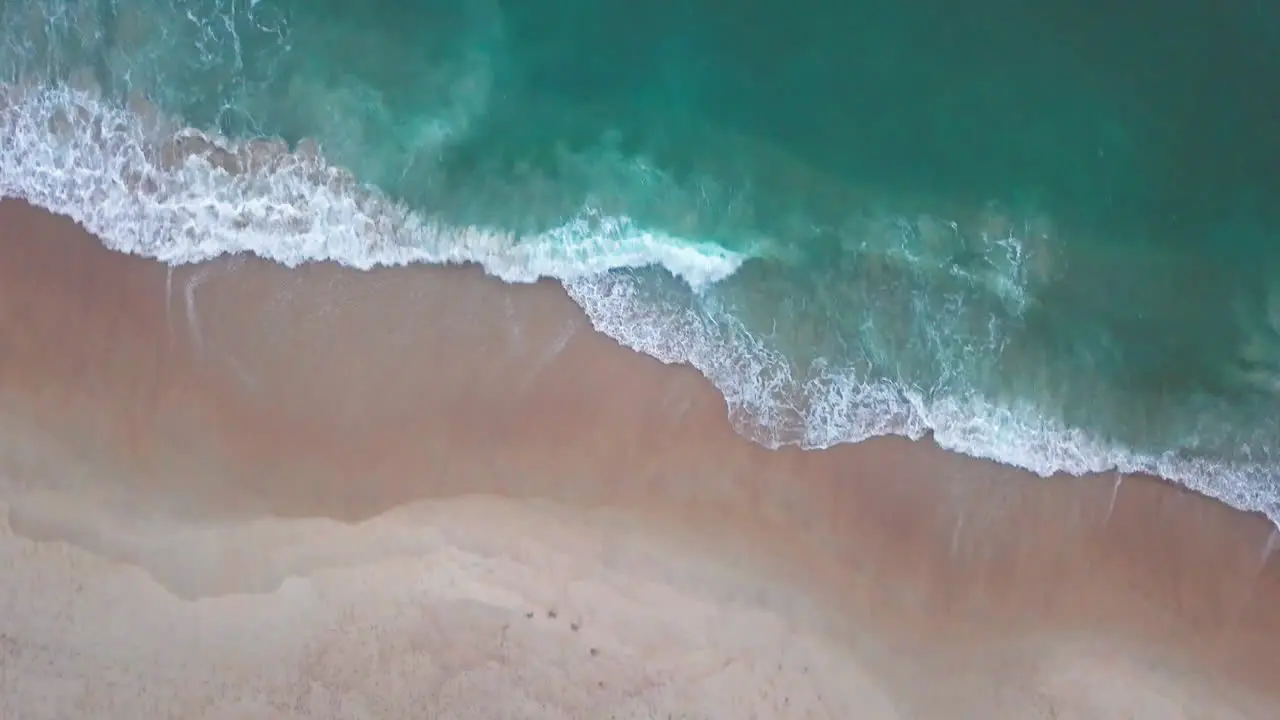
<point x="1048" y="233"/>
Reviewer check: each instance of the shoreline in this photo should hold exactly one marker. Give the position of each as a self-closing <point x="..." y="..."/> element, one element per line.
<point x="237" y="392"/>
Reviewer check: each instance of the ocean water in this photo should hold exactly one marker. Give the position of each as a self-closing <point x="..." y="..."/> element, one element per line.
<point x="1044" y="233"/>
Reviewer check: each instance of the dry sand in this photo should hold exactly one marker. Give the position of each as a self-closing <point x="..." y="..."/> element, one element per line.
<point x="238" y="490"/>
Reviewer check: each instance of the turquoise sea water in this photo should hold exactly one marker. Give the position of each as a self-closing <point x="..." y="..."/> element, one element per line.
<point x="1046" y="233"/>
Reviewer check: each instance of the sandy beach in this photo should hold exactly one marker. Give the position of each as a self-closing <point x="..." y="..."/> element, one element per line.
<point x="242" y="491"/>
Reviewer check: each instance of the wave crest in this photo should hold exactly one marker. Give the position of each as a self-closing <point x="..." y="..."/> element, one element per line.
<point x="148" y="186"/>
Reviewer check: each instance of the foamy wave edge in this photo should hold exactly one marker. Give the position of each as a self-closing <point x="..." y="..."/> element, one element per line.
<point x="147" y="186"/>
<point x="767" y="405"/>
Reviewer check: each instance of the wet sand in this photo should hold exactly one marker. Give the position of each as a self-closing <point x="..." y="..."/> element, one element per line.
<point x="238" y="490"/>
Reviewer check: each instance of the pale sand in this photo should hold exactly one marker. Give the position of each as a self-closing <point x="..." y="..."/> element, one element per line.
<point x="244" y="491"/>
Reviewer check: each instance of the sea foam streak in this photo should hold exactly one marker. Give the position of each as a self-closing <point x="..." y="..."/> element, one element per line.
<point x="149" y="187"/>
<point x="840" y="407"/>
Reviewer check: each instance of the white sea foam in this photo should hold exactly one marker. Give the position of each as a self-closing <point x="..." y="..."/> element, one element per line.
<point x="181" y="196"/>
<point x="767" y="404"/>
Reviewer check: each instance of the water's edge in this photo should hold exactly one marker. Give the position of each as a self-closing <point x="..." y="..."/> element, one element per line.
<point x="146" y="185"/>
